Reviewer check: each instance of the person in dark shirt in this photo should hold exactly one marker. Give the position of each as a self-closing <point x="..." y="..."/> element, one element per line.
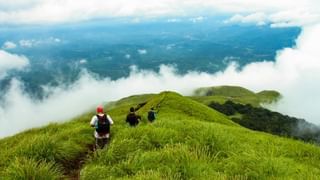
<point x="132" y="118"/>
<point x="151" y="115"/>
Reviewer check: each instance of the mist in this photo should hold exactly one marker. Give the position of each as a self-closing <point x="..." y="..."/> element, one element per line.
<point x="295" y="73"/>
<point x="10" y="62"/>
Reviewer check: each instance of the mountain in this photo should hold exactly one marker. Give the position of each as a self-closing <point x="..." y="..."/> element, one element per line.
<point x="247" y="109"/>
<point x="221" y="94"/>
<point x="188" y="140"/>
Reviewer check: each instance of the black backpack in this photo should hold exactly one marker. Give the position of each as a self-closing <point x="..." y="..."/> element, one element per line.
<point x="103" y="126"/>
<point x="132" y="119"/>
<point x="151" y="116"/>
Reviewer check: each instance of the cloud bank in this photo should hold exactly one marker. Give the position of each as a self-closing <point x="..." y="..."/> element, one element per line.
<point x="256" y="18"/>
<point x="29" y="43"/>
<point x="57" y="11"/>
<point x="295" y="73"/>
<point x="288" y="18"/>
<point x="9" y="45"/>
<point x="10" y="61"/>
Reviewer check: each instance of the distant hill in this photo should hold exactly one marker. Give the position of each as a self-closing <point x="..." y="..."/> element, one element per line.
<point x="268" y="96"/>
<point x="261" y="119"/>
<point x="237" y="94"/>
<point x="246" y="108"/>
<point x="188" y="140"/>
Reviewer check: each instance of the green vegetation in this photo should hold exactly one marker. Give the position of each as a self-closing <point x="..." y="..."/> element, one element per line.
<point x="45" y="152"/>
<point x="188" y="140"/>
<point x="228" y="91"/>
<point x="221" y="94"/>
<point x="260" y="119"/>
<point x="268" y="96"/>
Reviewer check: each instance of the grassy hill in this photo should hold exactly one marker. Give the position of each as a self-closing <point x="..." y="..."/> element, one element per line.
<point x="221" y="94"/>
<point x="187" y="141"/>
<point x="261" y="119"/>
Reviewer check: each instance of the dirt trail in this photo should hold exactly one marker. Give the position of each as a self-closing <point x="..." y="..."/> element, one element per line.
<point x="72" y="168"/>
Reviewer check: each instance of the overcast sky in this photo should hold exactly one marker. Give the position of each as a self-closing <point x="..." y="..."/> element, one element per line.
<point x="280" y="12"/>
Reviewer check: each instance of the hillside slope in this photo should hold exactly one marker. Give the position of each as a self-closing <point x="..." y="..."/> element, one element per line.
<point x="221" y="94"/>
<point x="187" y="141"/>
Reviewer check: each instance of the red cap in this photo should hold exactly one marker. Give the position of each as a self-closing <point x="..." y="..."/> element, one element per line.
<point x="100" y="109"/>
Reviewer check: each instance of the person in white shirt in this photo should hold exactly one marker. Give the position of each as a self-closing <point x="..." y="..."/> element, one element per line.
<point x="101" y="122"/>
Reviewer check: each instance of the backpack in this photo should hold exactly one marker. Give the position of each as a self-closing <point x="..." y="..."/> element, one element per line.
<point x="103" y="126"/>
<point x="132" y="119"/>
<point x="151" y="116"/>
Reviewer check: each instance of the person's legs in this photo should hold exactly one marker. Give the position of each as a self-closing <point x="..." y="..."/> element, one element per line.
<point x="97" y="144"/>
<point x="104" y="142"/>
<point x="101" y="142"/>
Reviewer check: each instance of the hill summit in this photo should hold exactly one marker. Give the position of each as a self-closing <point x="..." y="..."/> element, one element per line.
<point x="188" y="140"/>
<point x="236" y="94"/>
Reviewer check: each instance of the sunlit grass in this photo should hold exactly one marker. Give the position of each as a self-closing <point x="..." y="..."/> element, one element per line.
<point x="23" y="168"/>
<point x="221" y="94"/>
<point x="188" y="140"/>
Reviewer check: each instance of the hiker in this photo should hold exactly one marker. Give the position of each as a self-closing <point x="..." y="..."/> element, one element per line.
<point x="132" y="118"/>
<point x="101" y="122"/>
<point x="151" y="115"/>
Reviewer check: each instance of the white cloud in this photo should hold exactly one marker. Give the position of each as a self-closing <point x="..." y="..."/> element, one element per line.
<point x="53" y="39"/>
<point x="229" y="59"/>
<point x="142" y="51"/>
<point x="170" y="46"/>
<point x="295" y="73"/>
<point x="174" y="20"/>
<point x="17" y="4"/>
<point x="255" y="18"/>
<point x="287" y="18"/>
<point x="293" y="18"/>
<point x="10" y="61"/>
<point x="83" y="61"/>
<point x="9" y="45"/>
<point x="28" y="43"/>
<point x="58" y="11"/>
<point x="127" y="56"/>
<point x="197" y="19"/>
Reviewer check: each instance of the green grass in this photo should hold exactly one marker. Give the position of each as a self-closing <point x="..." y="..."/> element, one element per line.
<point x="22" y="168"/>
<point x="53" y="147"/>
<point x="221" y="94"/>
<point x="228" y="91"/>
<point x="188" y="140"/>
<point x="268" y="96"/>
